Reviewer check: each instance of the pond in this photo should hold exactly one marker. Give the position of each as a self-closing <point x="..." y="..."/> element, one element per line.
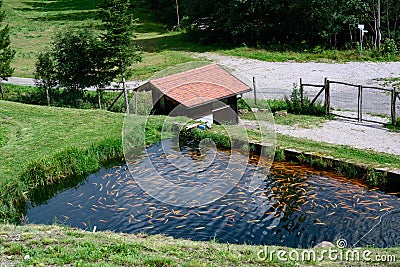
<point x="295" y="206"/>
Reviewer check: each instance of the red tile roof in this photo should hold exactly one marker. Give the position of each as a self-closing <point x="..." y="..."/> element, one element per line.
<point x="201" y="85"/>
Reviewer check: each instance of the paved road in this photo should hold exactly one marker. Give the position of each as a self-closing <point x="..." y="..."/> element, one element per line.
<point x="20" y="81"/>
<point x="31" y="82"/>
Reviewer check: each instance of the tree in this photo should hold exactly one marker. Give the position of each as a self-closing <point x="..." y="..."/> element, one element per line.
<point x="74" y="61"/>
<point x="6" y="53"/>
<point x="45" y="74"/>
<point x="117" y="41"/>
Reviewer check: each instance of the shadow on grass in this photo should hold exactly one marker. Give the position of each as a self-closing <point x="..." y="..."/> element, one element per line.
<point x="69" y="10"/>
<point x="180" y="41"/>
<point x="63" y="5"/>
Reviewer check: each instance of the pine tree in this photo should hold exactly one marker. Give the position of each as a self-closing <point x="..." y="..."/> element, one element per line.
<point x="118" y="43"/>
<point x="6" y="53"/>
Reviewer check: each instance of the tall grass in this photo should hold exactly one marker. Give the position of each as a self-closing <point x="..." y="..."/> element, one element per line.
<point x="73" y="161"/>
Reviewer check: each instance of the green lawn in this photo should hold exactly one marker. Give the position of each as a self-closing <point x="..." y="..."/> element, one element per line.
<point x="31" y="132"/>
<point x="60" y="246"/>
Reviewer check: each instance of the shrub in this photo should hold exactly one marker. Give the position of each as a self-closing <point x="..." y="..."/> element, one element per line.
<point x="295" y="105"/>
<point x="389" y="47"/>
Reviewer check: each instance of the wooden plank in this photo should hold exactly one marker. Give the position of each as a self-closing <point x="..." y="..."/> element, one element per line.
<point x="377" y="88"/>
<point x="115" y="100"/>
<point x="316" y="97"/>
<point x="312" y="85"/>
<point x="343" y="83"/>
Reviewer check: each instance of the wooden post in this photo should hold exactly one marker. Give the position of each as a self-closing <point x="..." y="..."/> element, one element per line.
<point x="255" y="91"/>
<point x="327" y="97"/>
<point x="359" y="110"/>
<point x="1" y="89"/>
<point x="136" y="102"/>
<point x="99" y="97"/>
<point x="301" y="93"/>
<point x="125" y="95"/>
<point x="47" y="95"/>
<point x="393" y="106"/>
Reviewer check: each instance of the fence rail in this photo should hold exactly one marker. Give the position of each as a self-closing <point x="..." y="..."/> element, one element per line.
<point x="361" y="92"/>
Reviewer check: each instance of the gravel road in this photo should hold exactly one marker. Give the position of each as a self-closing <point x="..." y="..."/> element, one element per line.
<point x="275" y="80"/>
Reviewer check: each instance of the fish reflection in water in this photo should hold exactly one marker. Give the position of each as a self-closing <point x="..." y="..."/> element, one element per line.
<point x="295" y="206"/>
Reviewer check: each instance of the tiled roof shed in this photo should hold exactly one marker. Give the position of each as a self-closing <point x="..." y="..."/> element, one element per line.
<point x="200" y="86"/>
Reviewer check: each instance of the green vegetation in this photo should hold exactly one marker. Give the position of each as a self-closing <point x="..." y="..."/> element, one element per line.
<point x="302" y="121"/>
<point x="281" y="107"/>
<point x="61" y="98"/>
<point x="6" y="53"/>
<point x="307" y="55"/>
<point x="370" y="158"/>
<point x="56" y="245"/>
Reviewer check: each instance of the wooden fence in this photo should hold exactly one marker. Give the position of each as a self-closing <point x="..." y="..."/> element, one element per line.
<point x="326" y="88"/>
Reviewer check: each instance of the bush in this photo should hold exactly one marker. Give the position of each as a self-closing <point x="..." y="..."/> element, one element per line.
<point x="296" y="106"/>
<point x="61" y="98"/>
<point x="389" y="47"/>
<point x="272" y="104"/>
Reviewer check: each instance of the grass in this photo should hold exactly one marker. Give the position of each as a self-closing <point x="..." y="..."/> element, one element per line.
<point x="302" y="121"/>
<point x="57" y="245"/>
<point x="279" y="106"/>
<point x="371" y="158"/>
<point x="41" y="146"/>
<point x="324" y="56"/>
<point x="392" y="127"/>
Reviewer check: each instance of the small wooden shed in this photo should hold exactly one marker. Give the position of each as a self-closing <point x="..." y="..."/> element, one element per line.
<point x="206" y="91"/>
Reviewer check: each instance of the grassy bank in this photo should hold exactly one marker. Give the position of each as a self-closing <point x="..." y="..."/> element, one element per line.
<point x="41" y="146"/>
<point x="352" y="162"/>
<point x="55" y="245"/>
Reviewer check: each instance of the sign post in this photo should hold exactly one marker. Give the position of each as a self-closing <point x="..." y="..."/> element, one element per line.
<point x="362" y="32"/>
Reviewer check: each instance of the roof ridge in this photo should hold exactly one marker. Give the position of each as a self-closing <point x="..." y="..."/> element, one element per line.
<point x="188" y="71"/>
